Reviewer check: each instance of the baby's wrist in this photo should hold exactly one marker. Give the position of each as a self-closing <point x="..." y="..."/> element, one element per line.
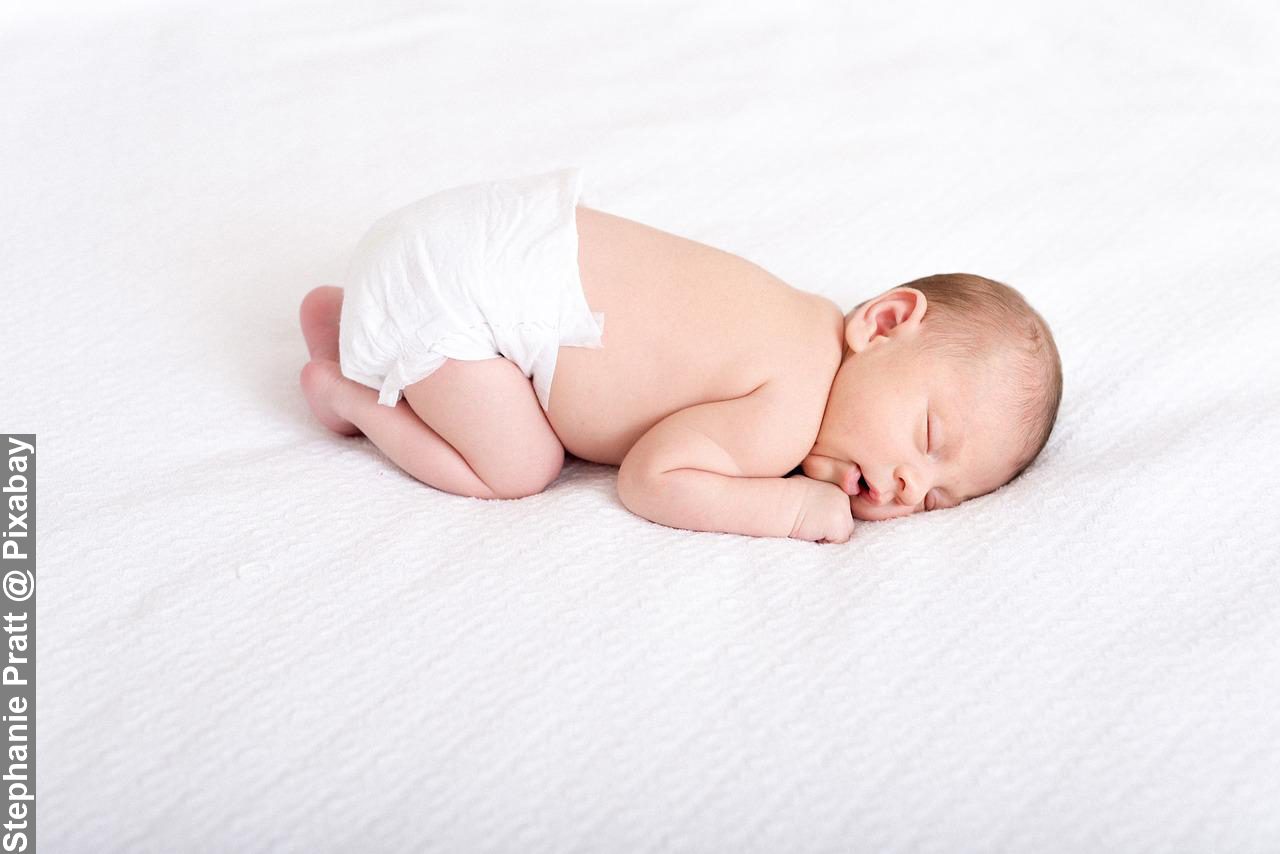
<point x="800" y="504"/>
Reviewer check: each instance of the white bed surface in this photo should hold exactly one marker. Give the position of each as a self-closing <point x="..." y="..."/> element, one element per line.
<point x="255" y="635"/>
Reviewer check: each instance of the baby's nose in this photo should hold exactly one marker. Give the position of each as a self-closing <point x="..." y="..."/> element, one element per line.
<point x="905" y="484"/>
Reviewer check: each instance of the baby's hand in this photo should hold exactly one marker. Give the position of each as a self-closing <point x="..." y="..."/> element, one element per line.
<point x="826" y="515"/>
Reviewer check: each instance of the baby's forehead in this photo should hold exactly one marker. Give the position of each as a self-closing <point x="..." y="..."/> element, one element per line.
<point x="987" y="395"/>
<point x="991" y="373"/>
<point x="982" y="400"/>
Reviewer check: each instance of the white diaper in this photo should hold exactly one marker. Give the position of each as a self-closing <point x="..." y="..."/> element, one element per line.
<point x="471" y="272"/>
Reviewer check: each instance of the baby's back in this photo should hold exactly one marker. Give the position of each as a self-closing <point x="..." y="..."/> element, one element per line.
<point x="685" y="323"/>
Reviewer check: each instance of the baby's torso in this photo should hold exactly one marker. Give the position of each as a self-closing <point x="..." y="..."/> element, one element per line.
<point x="685" y="323"/>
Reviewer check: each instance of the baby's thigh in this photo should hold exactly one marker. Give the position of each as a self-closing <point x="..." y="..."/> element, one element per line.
<point x="488" y="411"/>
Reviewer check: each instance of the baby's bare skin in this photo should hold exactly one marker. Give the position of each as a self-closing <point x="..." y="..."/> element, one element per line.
<point x="686" y="323"/>
<point x="715" y="380"/>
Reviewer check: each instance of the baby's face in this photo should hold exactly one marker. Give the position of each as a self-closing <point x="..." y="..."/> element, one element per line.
<point x="907" y="430"/>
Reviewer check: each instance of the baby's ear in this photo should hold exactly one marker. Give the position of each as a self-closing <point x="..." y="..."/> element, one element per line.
<point x="895" y="312"/>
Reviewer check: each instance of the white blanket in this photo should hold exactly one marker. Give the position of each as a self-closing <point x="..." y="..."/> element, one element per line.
<point x="257" y="635"/>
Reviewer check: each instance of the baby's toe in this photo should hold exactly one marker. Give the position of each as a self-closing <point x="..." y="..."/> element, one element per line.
<point x="319" y="315"/>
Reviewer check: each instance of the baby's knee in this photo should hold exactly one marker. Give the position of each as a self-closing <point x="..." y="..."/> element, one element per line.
<point x="533" y="476"/>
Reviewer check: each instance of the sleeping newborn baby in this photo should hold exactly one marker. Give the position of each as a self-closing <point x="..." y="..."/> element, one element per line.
<point x="486" y="330"/>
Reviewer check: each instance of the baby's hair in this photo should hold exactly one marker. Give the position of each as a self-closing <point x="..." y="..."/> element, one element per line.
<point x="977" y="318"/>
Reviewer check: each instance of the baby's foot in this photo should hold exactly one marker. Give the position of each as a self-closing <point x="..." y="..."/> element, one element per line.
<point x="322" y="382"/>
<point x="319" y="314"/>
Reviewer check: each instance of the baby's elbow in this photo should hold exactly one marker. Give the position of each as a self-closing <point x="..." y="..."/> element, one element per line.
<point x="633" y="488"/>
<point x="644" y="491"/>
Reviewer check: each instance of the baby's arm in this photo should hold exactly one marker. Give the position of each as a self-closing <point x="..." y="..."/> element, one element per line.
<point x="704" y="469"/>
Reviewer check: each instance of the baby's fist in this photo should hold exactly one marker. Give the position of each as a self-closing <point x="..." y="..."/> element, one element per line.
<point x="825" y="513"/>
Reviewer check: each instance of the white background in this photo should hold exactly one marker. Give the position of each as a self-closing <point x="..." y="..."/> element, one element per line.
<point x="256" y="635"/>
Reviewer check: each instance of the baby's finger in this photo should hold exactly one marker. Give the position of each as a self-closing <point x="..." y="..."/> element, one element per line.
<point x="820" y="468"/>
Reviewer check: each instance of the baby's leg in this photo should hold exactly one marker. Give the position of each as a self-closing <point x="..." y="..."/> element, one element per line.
<point x="397" y="431"/>
<point x="349" y="408"/>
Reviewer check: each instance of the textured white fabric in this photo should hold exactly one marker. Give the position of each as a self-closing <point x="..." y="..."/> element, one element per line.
<point x="256" y="635"/>
<point x="474" y="272"/>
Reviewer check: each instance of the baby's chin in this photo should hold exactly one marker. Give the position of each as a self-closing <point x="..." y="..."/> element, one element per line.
<point x="865" y="511"/>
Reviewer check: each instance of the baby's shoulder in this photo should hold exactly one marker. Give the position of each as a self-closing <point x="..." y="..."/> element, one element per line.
<point x="806" y="343"/>
<point x="804" y="355"/>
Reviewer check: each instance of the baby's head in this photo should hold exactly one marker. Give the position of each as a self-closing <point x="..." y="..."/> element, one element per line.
<point x="948" y="389"/>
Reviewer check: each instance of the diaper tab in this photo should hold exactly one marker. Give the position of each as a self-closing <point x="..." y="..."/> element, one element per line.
<point x="389" y="395"/>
